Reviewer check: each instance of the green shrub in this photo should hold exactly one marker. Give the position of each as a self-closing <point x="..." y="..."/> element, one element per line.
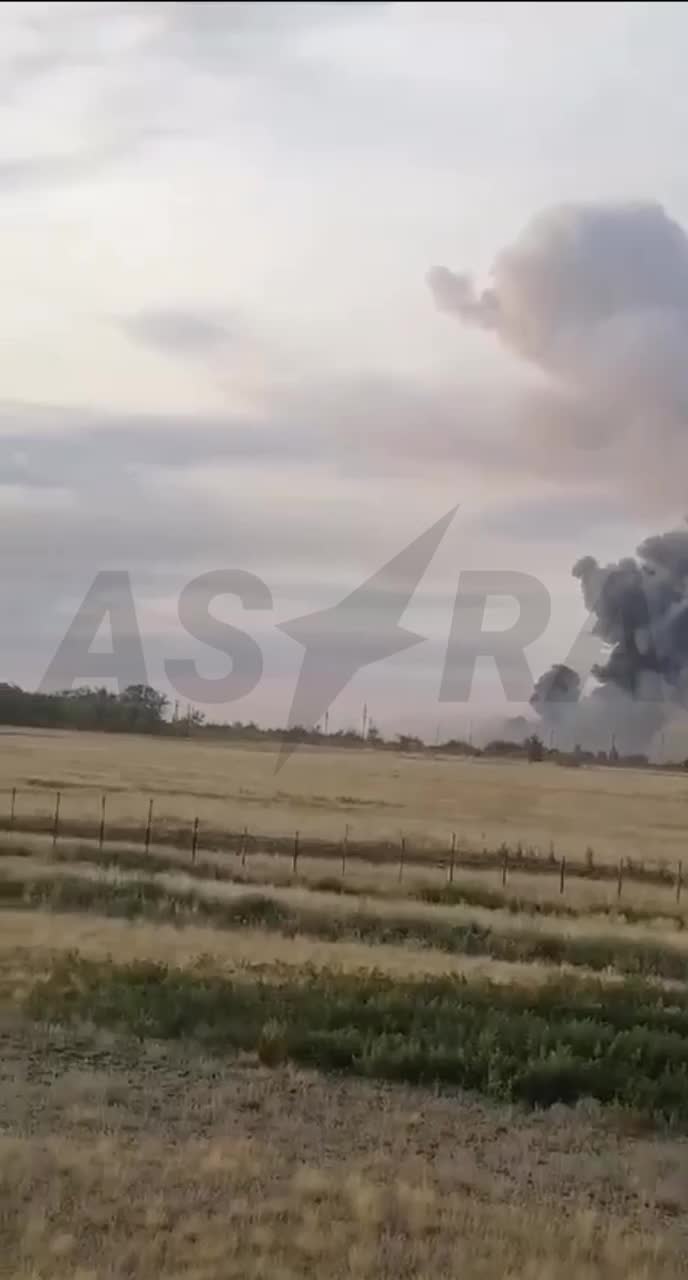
<point x="567" y="1040"/>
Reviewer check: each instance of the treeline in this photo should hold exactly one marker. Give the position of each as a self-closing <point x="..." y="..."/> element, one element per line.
<point x="139" y="709"/>
<point x="143" y="709"/>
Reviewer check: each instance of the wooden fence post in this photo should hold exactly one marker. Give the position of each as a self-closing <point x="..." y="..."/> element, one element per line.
<point x="13" y="803"/>
<point x="619" y="884"/>
<point x="345" y="848"/>
<point x="244" y="842"/>
<point x="562" y="874"/>
<point x="679" y="881"/>
<point x="402" y="857"/>
<point x="149" y="825"/>
<point x="56" y="819"/>
<point x="101" y="833"/>
<point x="452" y="857"/>
<point x="194" y="840"/>
<point x="505" y="866"/>
<point x="295" y="859"/>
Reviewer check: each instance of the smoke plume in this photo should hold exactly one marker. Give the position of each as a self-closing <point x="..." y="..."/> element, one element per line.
<point x="555" y="692"/>
<point x="640" y="610"/>
<point x="595" y="297"/>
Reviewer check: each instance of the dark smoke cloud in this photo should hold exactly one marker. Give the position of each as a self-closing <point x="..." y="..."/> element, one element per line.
<point x="640" y="610"/>
<point x="555" y="692"/>
<point x="596" y="298"/>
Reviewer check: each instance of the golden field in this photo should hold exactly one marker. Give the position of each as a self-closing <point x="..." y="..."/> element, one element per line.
<point x="132" y="1147"/>
<point x="318" y="791"/>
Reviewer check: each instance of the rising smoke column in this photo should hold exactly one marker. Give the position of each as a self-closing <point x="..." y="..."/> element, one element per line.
<point x="641" y="611"/>
<point x="596" y="298"/>
<point x="556" y="691"/>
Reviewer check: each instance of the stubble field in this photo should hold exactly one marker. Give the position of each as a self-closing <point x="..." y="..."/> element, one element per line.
<point x="240" y="1066"/>
<point x="380" y="795"/>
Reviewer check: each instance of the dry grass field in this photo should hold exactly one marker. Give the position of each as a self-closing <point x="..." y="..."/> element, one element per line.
<point x="132" y="1160"/>
<point x="126" y="1160"/>
<point x="619" y="812"/>
<point x="235" y="1068"/>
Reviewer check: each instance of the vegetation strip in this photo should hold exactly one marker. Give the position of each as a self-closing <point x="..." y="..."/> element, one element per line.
<point x="567" y="1040"/>
<point x="455" y="894"/>
<point x="150" y="900"/>
<point x="376" y="852"/>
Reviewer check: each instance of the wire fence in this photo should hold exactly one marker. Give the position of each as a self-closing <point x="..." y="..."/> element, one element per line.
<point x="193" y="836"/>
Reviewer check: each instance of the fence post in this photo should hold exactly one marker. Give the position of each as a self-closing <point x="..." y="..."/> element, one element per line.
<point x="679" y="881"/>
<point x="452" y="857"/>
<point x="345" y="848"/>
<point x="149" y="825"/>
<point x="619" y="885"/>
<point x="101" y="833"/>
<point x="562" y="874"/>
<point x="56" y="820"/>
<point x="402" y="857"/>
<point x="505" y="866"/>
<point x="194" y="840"/>
<point x="12" y="807"/>
<point x="295" y="859"/>
<point x="244" y="842"/>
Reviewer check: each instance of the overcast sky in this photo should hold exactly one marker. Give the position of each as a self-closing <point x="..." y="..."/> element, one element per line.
<point x="219" y="347"/>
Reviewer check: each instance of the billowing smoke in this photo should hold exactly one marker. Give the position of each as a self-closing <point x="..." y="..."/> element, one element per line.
<point x="640" y="610"/>
<point x="596" y="298"/>
<point x="555" y="693"/>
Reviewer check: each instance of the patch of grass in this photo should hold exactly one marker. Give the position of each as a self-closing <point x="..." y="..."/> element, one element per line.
<point x="151" y="900"/>
<point x="477" y="895"/>
<point x="456" y="893"/>
<point x="567" y="1040"/>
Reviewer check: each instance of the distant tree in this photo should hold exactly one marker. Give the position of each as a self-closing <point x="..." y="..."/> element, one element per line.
<point x="534" y="749"/>
<point x="504" y="747"/>
<point x="144" y="706"/>
<point x="459" y="747"/>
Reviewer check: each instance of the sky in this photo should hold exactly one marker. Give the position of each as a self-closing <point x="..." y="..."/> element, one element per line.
<point x="223" y="345"/>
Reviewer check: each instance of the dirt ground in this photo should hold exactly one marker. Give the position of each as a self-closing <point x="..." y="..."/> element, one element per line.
<point x="117" y="1156"/>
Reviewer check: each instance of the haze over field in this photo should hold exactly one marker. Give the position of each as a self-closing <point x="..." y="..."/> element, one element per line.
<point x="231" y="235"/>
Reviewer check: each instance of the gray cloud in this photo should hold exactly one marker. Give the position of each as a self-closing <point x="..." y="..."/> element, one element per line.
<point x="86" y="491"/>
<point x="576" y="270"/>
<point x="596" y="298"/>
<point x="556" y="517"/>
<point x="38" y="170"/>
<point x="189" y="331"/>
<point x="121" y="483"/>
